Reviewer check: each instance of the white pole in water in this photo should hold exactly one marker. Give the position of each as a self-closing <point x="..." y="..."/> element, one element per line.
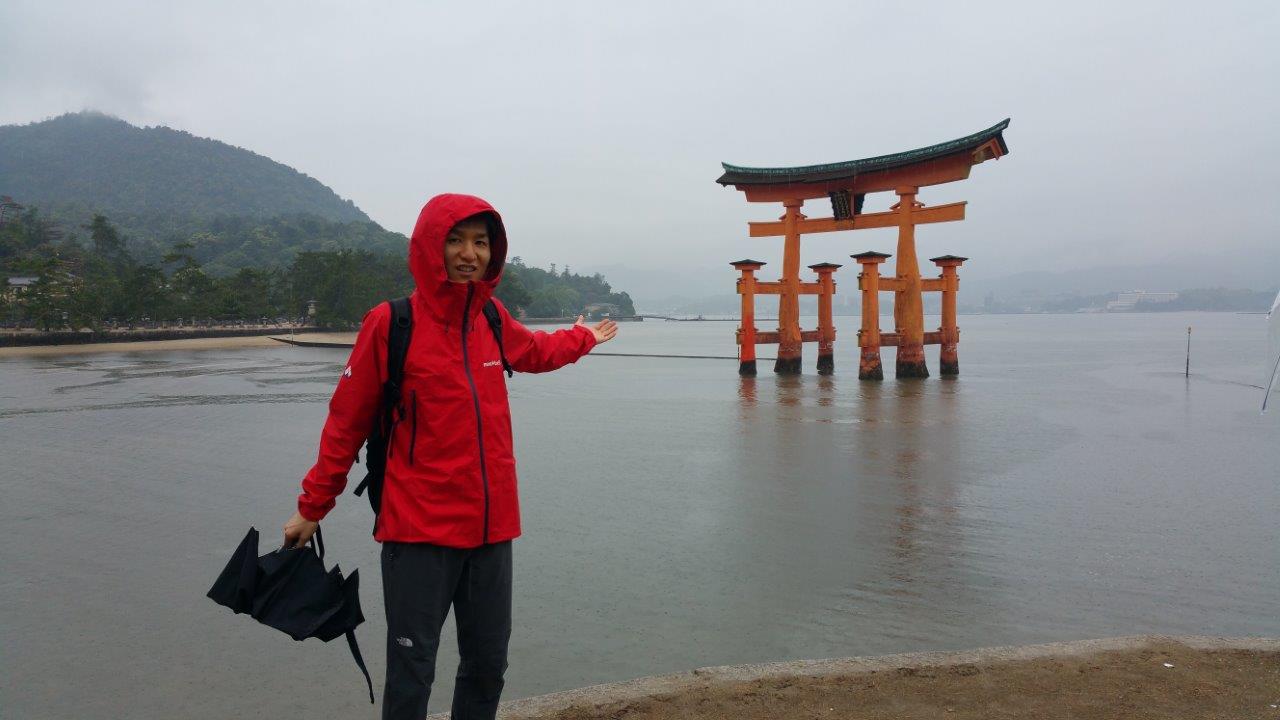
<point x="1188" y="371"/>
<point x="1273" y="331"/>
<point x="1271" y="380"/>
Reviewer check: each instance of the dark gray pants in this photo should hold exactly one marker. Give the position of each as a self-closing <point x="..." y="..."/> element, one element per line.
<point x="420" y="582"/>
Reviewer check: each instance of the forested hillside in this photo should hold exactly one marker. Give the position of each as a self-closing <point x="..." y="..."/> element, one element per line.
<point x="121" y="223"/>
<point x="160" y="186"/>
<point x="97" y="281"/>
<point x="94" y="162"/>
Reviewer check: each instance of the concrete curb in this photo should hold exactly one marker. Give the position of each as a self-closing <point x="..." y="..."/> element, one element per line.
<point x="631" y="690"/>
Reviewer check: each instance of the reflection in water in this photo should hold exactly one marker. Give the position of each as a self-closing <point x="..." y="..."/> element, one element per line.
<point x="790" y="390"/>
<point x="873" y="437"/>
<point x="906" y="430"/>
<point x="873" y="464"/>
<point x="787" y="427"/>
<point x="867" y="466"/>
<point x="827" y="390"/>
<point x="891" y="449"/>
<point x="747" y="391"/>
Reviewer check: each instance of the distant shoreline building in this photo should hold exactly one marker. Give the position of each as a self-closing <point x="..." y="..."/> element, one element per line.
<point x="599" y="311"/>
<point x="15" y="286"/>
<point x="1129" y="300"/>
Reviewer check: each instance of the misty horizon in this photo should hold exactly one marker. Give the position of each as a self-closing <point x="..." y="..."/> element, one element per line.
<point x="1135" y="139"/>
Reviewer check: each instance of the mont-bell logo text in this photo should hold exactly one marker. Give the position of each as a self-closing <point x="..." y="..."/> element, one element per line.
<point x="493" y="363"/>
<point x="347" y="372"/>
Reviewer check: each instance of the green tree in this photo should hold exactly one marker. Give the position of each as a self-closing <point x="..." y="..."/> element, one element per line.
<point x="252" y="293"/>
<point x="56" y="301"/>
<point x="191" y="292"/>
<point x="149" y="289"/>
<point x="554" y="301"/>
<point x="512" y="292"/>
<point x="346" y="284"/>
<point x="108" y="244"/>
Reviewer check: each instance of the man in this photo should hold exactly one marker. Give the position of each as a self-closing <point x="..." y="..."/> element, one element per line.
<point x="449" y="506"/>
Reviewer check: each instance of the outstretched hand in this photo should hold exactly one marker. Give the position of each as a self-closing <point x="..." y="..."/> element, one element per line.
<point x="603" y="330"/>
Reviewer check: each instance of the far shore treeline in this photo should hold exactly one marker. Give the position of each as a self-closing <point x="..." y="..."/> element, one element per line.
<point x="94" y="277"/>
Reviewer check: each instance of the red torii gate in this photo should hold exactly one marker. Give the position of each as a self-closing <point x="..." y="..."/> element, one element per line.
<point x="847" y="184"/>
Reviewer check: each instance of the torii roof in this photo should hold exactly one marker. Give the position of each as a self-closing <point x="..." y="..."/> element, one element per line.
<point x="737" y="175"/>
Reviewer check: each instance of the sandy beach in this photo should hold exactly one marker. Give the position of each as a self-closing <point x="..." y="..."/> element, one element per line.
<point x="214" y="343"/>
<point x="1139" y="677"/>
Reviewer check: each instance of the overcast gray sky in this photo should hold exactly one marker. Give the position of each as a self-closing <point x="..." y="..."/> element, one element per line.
<point x="1142" y="131"/>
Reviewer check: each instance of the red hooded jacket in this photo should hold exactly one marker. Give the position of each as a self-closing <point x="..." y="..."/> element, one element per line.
<point x="451" y="474"/>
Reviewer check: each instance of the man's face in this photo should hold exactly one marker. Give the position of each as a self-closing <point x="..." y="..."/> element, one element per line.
<point x="466" y="251"/>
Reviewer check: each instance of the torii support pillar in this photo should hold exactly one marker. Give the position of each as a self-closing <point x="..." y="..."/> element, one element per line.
<point x="869" y="367"/>
<point x="908" y="305"/>
<point x="949" y="360"/>
<point x="789" y="341"/>
<point x="747" y="331"/>
<point x="826" y="326"/>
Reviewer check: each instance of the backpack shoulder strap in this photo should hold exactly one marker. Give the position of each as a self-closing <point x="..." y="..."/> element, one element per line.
<point x="398" y="336"/>
<point x="492" y="315"/>
<point x="399" y="333"/>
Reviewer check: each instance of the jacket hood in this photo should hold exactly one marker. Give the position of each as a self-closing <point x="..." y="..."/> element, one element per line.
<point x="440" y="297"/>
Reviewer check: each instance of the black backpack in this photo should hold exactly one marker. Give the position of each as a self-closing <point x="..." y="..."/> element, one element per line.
<point x="391" y="410"/>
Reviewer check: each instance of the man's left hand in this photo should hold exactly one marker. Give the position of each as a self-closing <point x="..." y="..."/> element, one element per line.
<point x="603" y="330"/>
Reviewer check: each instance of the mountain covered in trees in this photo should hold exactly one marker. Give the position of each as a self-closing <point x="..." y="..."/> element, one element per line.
<point x="160" y="186"/>
<point x="91" y="160"/>
<point x="121" y="223"/>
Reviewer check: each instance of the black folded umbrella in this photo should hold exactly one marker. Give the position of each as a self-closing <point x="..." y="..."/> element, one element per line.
<point x="289" y="590"/>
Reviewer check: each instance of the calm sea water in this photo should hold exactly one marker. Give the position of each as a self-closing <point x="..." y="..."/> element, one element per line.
<point x="1070" y="484"/>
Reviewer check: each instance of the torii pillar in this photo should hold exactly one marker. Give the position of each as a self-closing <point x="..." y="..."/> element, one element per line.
<point x="949" y="361"/>
<point x="869" y="367"/>
<point x="826" y="324"/>
<point x="789" y="341"/>
<point x="908" y="308"/>
<point x="747" y="331"/>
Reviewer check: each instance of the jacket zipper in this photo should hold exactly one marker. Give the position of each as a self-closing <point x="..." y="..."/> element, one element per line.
<point x="413" y="436"/>
<point x="475" y="398"/>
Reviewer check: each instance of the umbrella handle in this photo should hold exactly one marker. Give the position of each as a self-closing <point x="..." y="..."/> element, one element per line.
<point x="317" y="543"/>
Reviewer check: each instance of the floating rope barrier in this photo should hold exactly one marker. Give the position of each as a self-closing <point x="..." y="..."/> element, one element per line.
<point x="681" y="357"/>
<point x="321" y="344"/>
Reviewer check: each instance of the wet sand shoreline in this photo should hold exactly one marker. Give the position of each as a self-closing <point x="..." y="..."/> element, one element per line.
<point x="1126" y="677"/>
<point x="203" y="343"/>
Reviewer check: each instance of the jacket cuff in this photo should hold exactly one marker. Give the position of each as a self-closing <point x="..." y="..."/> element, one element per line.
<point x="309" y="511"/>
